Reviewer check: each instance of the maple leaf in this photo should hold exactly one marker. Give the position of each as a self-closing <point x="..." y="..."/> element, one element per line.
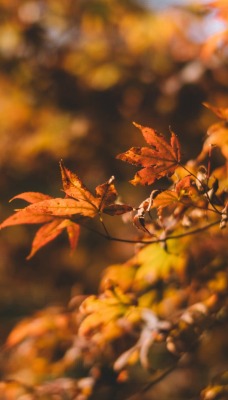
<point x="55" y="213"/>
<point x="62" y="207"/>
<point x="214" y="44"/>
<point x="183" y="197"/>
<point x="163" y="263"/>
<point x="32" y="197"/>
<point x="185" y="185"/>
<point x="25" y="217"/>
<point x="51" y="230"/>
<point x="159" y="160"/>
<point x="101" y="315"/>
<point x="73" y="187"/>
<point x="221" y="112"/>
<point x="105" y="198"/>
<point x="165" y="199"/>
<point x="39" y="212"/>
<point x="217" y="133"/>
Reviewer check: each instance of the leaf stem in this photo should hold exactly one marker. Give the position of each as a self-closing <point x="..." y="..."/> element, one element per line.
<point x="107" y="235"/>
<point x="208" y="198"/>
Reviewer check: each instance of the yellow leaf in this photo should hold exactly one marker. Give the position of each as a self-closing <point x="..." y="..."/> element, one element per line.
<point x="155" y="263"/>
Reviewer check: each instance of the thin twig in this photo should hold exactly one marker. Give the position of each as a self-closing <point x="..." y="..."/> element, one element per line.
<point x="104" y="226"/>
<point x="180" y="235"/>
<point x="208" y="198"/>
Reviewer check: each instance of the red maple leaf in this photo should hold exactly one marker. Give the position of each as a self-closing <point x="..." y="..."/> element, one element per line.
<point x="159" y="160"/>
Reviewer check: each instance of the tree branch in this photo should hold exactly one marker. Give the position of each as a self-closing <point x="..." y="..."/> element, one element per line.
<point x="163" y="240"/>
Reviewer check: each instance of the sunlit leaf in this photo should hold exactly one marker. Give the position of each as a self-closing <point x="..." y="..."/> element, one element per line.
<point x="73" y="231"/>
<point x="221" y="112"/>
<point x="106" y="193"/>
<point x="32" y="197"/>
<point x="121" y="275"/>
<point x="214" y="44"/>
<point x="26" y="216"/>
<point x="166" y="198"/>
<point x="74" y="187"/>
<point x="159" y="160"/>
<point x="46" y="234"/>
<point x="104" y="201"/>
<point x="217" y="136"/>
<point x="63" y="207"/>
<point x="155" y="263"/>
<point x="101" y="315"/>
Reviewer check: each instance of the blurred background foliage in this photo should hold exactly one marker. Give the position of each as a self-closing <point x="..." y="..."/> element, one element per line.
<point x="73" y="77"/>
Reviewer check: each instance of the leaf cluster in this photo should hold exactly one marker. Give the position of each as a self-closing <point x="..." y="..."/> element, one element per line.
<point x="152" y="310"/>
<point x="194" y="200"/>
<point x="159" y="320"/>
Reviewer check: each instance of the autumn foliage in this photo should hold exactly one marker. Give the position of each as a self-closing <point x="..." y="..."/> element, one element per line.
<point x="157" y="326"/>
<point x="193" y="203"/>
<point x="56" y="212"/>
<point x="194" y="200"/>
<point x="160" y="160"/>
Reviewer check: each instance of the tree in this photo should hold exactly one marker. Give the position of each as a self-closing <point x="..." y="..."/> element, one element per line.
<point x="159" y="320"/>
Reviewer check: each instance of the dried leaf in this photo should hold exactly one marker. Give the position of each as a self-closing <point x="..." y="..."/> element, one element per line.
<point x="160" y="160"/>
<point x="104" y="201"/>
<point x="106" y="197"/>
<point x="145" y="206"/>
<point x="106" y="194"/>
<point x="74" y="187"/>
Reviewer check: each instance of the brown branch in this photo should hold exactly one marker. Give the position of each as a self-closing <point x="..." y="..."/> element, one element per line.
<point x="132" y="241"/>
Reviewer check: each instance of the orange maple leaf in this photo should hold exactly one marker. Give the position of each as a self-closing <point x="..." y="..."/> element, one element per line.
<point x="56" y="213"/>
<point x="221" y="112"/>
<point x="159" y="160"/>
<point x="51" y="230"/>
<point x="217" y="133"/>
<point x="105" y="198"/>
<point x="35" y="213"/>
